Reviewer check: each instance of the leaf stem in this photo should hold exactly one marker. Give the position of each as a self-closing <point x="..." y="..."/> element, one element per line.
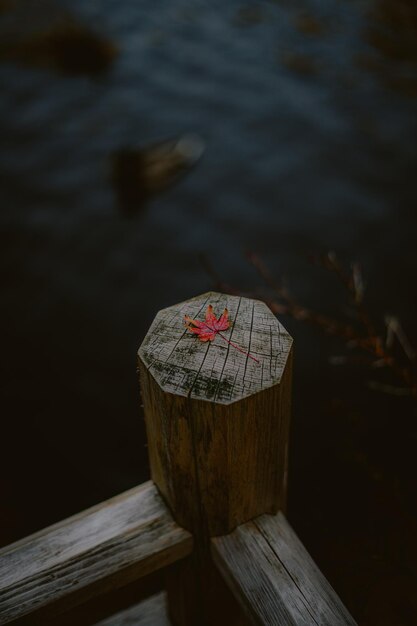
<point x="238" y="347"/>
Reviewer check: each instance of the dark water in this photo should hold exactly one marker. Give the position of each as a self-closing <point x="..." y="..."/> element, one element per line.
<point x="310" y="131"/>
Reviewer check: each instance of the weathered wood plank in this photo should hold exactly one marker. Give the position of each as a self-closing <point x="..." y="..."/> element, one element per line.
<point x="103" y="548"/>
<point x="101" y="607"/>
<point x="259" y="580"/>
<point x="150" y="612"/>
<point x="274" y="578"/>
<point x="323" y="600"/>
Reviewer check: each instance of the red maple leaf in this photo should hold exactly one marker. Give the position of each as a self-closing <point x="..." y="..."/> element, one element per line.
<point x="207" y="330"/>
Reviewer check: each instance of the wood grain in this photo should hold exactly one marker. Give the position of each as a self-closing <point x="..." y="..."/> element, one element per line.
<point x="103" y="548"/>
<point x="112" y="602"/>
<point x="218" y="426"/>
<point x="216" y="371"/>
<point x="274" y="578"/>
<point x="217" y="422"/>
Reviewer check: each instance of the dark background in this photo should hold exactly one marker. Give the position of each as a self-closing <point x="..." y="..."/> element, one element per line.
<point x="308" y="113"/>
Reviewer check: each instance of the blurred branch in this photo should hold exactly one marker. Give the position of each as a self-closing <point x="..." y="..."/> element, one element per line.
<point x="377" y="352"/>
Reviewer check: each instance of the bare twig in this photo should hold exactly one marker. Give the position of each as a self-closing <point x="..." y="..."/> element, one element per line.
<point x="377" y="352"/>
<point x="394" y="329"/>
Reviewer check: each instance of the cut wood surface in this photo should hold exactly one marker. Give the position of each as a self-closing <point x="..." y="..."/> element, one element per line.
<point x="215" y="370"/>
<point x="102" y="548"/>
<point x="274" y="578"/>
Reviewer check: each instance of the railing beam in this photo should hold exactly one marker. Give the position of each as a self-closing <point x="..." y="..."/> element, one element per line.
<point x="101" y="549"/>
<point x="274" y="578"/>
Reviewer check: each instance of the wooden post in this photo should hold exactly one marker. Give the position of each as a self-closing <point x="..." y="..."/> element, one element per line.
<point x="217" y="422"/>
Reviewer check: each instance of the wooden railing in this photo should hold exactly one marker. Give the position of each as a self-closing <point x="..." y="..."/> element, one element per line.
<point x="210" y="527"/>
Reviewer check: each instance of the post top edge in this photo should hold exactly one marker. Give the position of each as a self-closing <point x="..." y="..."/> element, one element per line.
<point x="247" y="356"/>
